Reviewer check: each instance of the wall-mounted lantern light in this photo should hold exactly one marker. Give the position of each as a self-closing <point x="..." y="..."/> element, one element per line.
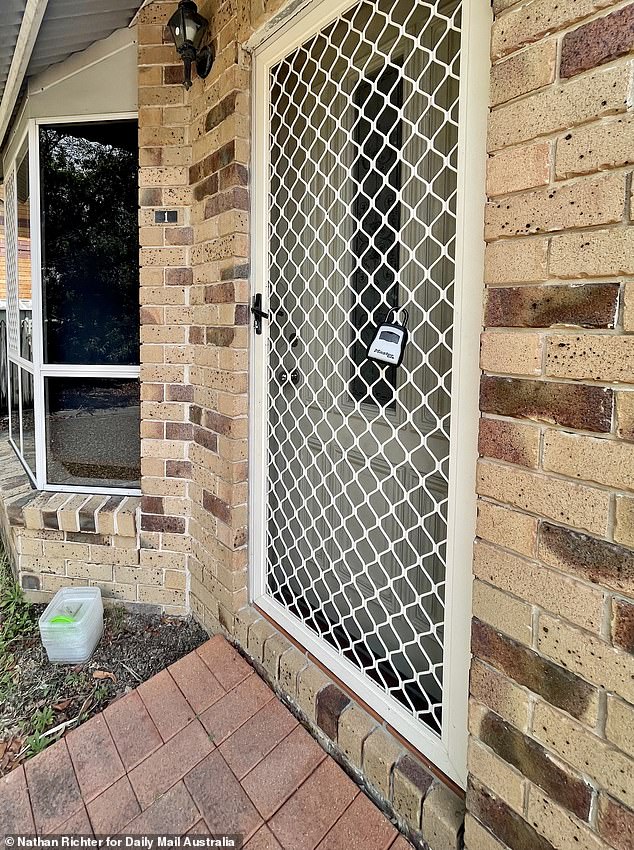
<point x="188" y="29"/>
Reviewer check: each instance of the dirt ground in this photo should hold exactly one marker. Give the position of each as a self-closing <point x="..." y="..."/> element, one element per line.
<point x="40" y="701"/>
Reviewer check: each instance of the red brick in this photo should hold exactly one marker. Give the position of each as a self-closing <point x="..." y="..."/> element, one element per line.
<point x="227" y="665"/>
<point x="131" y="727"/>
<point x="198" y="684"/>
<point x="158" y="772"/>
<point x="77" y="824"/>
<point x="257" y="737"/>
<point x="331" y="702"/>
<point x="303" y="820"/>
<point x="616" y="823"/>
<point x="277" y="776"/>
<point x="167" y="706"/>
<point x="597" y="42"/>
<point x="173" y="814"/>
<point x="53" y="788"/>
<point x="361" y="827"/>
<point x="263" y="840"/>
<point x="94" y="756"/>
<point x="15" y="811"/>
<point x="220" y="798"/>
<point x="234" y="709"/>
<point x="112" y="810"/>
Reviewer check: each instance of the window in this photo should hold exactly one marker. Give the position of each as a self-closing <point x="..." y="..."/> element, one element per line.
<point x="76" y="422"/>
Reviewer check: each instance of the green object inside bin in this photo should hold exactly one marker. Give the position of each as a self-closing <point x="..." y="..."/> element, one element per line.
<point x="62" y="619"/>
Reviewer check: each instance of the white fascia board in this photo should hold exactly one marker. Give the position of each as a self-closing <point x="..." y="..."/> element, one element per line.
<point x="29" y="29"/>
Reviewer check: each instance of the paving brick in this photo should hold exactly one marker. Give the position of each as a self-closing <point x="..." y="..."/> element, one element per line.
<point x="235" y="708"/>
<point x="166" y="705"/>
<point x="307" y="816"/>
<point x="171" y="762"/>
<point x="94" y="756"/>
<point x="361" y="827"/>
<point x="225" y="662"/>
<point x="257" y="737"/>
<point x="114" y="808"/>
<point x="173" y="814"/>
<point x="275" y="778"/>
<point x="220" y="798"/>
<point x="132" y="729"/>
<point x="15" y="811"/>
<point x="199" y="686"/>
<point x="263" y="840"/>
<point x="53" y="788"/>
<point x="77" y="824"/>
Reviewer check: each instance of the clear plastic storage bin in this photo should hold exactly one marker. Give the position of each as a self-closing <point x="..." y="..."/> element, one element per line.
<point x="72" y="624"/>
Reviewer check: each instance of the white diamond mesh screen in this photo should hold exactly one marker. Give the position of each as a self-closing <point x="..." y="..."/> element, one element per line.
<point x="11" y="243"/>
<point x="363" y="139"/>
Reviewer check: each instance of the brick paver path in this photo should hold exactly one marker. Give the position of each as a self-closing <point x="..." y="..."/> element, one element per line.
<point x="203" y="747"/>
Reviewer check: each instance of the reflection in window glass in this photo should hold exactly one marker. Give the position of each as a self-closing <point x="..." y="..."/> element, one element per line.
<point x="90" y="259"/>
<point x="24" y="258"/>
<point x="92" y="432"/>
<point x="28" y="420"/>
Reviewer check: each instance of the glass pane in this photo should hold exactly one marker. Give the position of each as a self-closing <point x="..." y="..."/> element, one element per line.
<point x="90" y="247"/>
<point x="93" y="432"/>
<point x="14" y="402"/>
<point x="24" y="258"/>
<point x="28" y="420"/>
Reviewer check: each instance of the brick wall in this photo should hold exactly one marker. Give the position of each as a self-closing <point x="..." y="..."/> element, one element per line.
<point x="551" y="713"/>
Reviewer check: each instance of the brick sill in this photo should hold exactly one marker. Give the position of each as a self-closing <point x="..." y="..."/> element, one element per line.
<point x="34" y="509"/>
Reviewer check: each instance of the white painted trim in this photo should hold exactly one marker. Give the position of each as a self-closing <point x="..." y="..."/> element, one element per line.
<point x="27" y="36"/>
<point x="38" y="368"/>
<point x="449" y="750"/>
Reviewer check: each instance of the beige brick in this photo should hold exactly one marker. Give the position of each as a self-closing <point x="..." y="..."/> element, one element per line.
<point x="535" y="583"/>
<point x="161" y="596"/>
<point x="613" y="770"/>
<point x="516" y="261"/>
<point x="476" y="837"/>
<point x="500" y="694"/>
<point x="566" y="502"/>
<point x="624" y="521"/>
<point x="292" y="662"/>
<point x="600" y="253"/>
<point x="609" y="462"/>
<point x="380" y="752"/>
<point x="511" y="353"/>
<point x="443" y="817"/>
<point x="628" y="291"/>
<point x="502" y="611"/>
<point x="528" y="70"/>
<point x="518" y="168"/>
<point x="511" y="529"/>
<point x="587" y="656"/>
<point x="625" y="415"/>
<point x="597" y="357"/>
<point x="310" y="681"/>
<point x="489" y="769"/>
<point x="68" y="517"/>
<point x="561" y="828"/>
<point x="274" y="648"/>
<point x="586" y="202"/>
<point x="619" y="726"/>
<point x="602" y="92"/>
<point x="354" y="727"/>
<point x="593" y="148"/>
<point x="534" y="19"/>
<point x="58" y="549"/>
<point x="94" y="572"/>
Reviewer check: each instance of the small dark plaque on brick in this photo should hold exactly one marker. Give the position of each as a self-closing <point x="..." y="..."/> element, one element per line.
<point x="165" y="216"/>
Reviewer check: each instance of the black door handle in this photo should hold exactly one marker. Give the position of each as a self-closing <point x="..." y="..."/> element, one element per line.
<point x="258" y="313"/>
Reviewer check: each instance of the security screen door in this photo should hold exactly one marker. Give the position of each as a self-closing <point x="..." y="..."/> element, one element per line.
<point x="357" y="129"/>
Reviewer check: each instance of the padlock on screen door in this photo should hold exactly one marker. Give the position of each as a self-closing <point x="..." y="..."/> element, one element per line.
<point x="390" y="338"/>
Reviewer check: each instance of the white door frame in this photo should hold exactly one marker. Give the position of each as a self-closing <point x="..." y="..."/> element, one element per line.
<point x="449" y="750"/>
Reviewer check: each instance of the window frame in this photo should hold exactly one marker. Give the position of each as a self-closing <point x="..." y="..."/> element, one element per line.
<point x="29" y="142"/>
